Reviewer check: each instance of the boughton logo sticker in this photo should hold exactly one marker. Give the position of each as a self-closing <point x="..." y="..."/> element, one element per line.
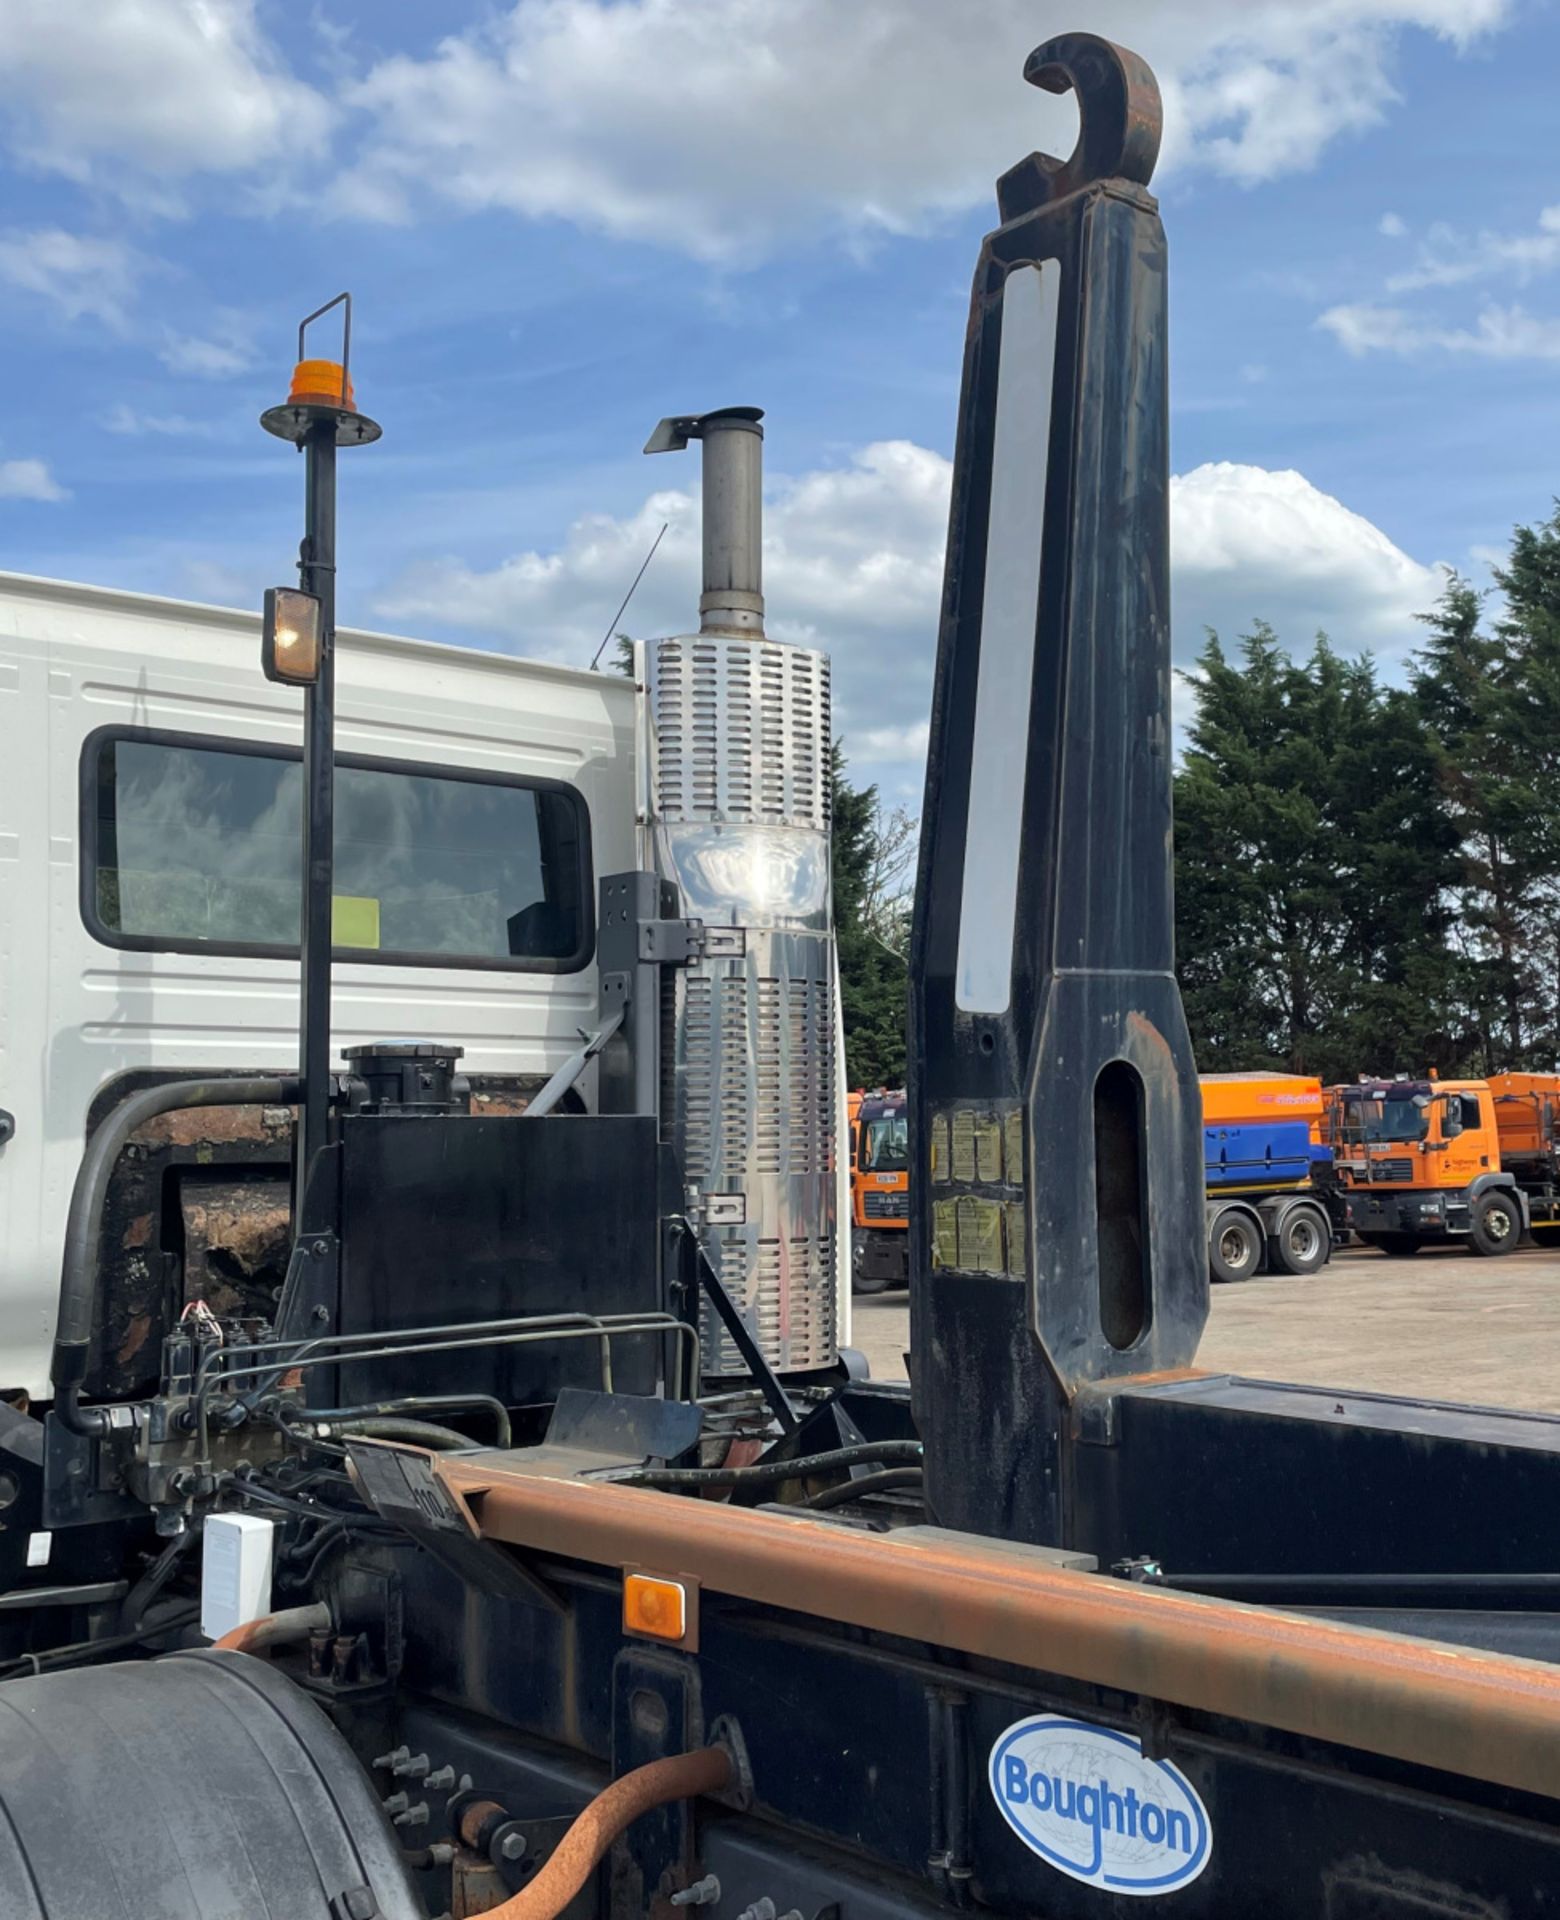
<point x="1088" y="1801"/>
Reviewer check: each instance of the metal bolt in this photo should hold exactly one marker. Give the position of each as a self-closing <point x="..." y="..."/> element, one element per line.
<point x="392" y="1758"/>
<point x="512" y="1847"/>
<point x="703" y="1893"/>
<point x="762" y="1909"/>
<point x="441" y="1853"/>
<point x="319" y="1249"/>
<point x="414" y="1816"/>
<point x="445" y="1777"/>
<point x="320" y="1316"/>
<point x="412" y="1766"/>
<point x="397" y="1803"/>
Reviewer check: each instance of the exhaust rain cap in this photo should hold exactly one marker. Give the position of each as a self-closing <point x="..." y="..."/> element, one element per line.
<point x="732" y="600"/>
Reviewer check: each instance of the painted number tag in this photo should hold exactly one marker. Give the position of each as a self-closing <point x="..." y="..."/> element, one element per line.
<point x="1086" y="1800"/>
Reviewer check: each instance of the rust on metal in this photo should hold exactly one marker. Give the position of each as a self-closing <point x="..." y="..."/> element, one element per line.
<point x="207" y="1127"/>
<point x="1120" y="120"/>
<point x="682" y="1777"/>
<point x="137" y="1332"/>
<point x="476" y="1885"/>
<point x="475" y="1817"/>
<point x="237" y="1237"/>
<point x="1487" y="1716"/>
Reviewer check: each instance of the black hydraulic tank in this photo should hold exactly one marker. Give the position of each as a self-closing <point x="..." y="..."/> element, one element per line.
<point x="197" y="1787"/>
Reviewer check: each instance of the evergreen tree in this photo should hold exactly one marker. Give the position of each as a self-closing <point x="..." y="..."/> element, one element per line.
<point x="1529" y="633"/>
<point x="1312" y="857"/>
<point x="1478" y="696"/>
<point x="873" y="977"/>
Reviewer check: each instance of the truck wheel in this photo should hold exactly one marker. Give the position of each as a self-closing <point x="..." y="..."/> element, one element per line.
<point x="1496" y="1225"/>
<point x="1303" y="1240"/>
<point x="863" y="1283"/>
<point x="1234" y="1246"/>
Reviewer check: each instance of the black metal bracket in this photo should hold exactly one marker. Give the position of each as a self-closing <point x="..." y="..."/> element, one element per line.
<point x="742" y="1337"/>
<point x="638" y="934"/>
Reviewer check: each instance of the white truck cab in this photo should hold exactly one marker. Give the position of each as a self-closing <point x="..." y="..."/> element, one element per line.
<point x="149" y="884"/>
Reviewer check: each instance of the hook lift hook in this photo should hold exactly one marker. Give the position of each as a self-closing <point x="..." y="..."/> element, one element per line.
<point x="1120" y="119"/>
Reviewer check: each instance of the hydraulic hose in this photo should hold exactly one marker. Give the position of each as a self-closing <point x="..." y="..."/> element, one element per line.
<point x="276" y="1629"/>
<point x="842" y="1495"/>
<point x="868" y="1453"/>
<point x="579" y="1852"/>
<point x="417" y="1405"/>
<point x="152" y="1582"/>
<point x="417" y="1433"/>
<point x="84" y="1223"/>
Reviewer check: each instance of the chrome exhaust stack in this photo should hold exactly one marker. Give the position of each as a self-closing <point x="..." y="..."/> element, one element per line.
<point x="739" y="820"/>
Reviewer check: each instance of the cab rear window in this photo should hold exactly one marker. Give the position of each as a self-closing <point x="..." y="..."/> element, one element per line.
<point x="192" y="844"/>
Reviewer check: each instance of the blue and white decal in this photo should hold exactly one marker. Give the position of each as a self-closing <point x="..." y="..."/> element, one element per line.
<point x="1087" y="1800"/>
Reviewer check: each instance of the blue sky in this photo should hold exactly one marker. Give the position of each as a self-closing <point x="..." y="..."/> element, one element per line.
<point x="564" y="218"/>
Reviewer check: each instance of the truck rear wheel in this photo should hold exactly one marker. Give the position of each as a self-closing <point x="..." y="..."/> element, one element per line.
<point x="1303" y="1241"/>
<point x="1234" y="1246"/>
<point x="1496" y="1226"/>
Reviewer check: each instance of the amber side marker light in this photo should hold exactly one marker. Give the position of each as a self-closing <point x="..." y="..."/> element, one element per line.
<point x="290" y="637"/>
<point x="659" y="1608"/>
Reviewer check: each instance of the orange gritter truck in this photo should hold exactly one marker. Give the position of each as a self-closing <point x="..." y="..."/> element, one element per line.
<point x="879" y="1192"/>
<point x="1271" y="1206"/>
<point x="1427" y="1160"/>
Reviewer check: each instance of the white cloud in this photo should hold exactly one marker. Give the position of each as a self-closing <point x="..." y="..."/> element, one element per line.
<point x="1393" y="225"/>
<point x="853" y="563"/>
<point x="165" y="88"/>
<point x="227" y="350"/>
<point x="872" y="745"/>
<point x="1447" y="257"/>
<point x="29" y="480"/>
<point x="1249" y="543"/>
<point x="724" y="127"/>
<point x="79" y="274"/>
<point x="126" y="420"/>
<point x="1500" y="333"/>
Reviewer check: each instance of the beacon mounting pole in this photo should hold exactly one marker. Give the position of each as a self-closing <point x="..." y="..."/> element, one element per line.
<point x="318" y="416"/>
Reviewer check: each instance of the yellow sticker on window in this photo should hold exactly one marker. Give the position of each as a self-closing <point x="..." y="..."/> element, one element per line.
<point x="354" y="921"/>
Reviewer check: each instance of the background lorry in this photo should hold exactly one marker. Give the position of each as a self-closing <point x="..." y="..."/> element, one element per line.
<point x="1271" y="1206"/>
<point x="1422" y="1161"/>
<point x="879" y="1191"/>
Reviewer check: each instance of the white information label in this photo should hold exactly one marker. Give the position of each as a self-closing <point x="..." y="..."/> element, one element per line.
<point x="235" y="1571"/>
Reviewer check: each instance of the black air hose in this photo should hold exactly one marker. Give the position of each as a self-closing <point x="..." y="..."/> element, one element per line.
<point x="420" y="1433"/>
<point x="868" y="1453"/>
<point x="84" y="1224"/>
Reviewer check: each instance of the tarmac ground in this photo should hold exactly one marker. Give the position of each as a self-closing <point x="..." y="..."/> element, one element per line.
<point x="1442" y="1325"/>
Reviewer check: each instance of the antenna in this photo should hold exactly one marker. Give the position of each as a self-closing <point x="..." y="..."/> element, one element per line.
<point x="612" y="623"/>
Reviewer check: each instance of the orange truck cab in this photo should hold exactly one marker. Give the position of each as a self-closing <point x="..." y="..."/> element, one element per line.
<point x="879" y="1191"/>
<point x="1424" y="1160"/>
